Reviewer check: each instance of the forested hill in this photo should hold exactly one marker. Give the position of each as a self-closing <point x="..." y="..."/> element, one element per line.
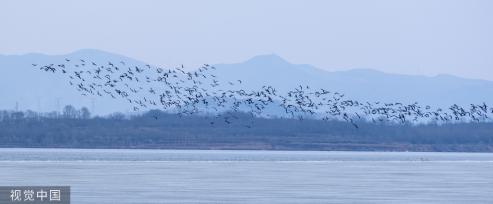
<point x="76" y="129"/>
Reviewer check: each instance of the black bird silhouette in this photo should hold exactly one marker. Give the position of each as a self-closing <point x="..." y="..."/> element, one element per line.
<point x="201" y="91"/>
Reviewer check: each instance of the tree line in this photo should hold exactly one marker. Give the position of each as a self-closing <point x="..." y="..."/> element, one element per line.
<point x="76" y="128"/>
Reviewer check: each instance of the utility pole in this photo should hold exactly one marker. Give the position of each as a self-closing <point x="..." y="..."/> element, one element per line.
<point x="58" y="111"/>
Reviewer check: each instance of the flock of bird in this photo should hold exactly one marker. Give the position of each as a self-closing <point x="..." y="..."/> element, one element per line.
<point x="202" y="92"/>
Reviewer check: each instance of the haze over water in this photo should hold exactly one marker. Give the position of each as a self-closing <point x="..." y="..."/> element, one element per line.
<point x="202" y="176"/>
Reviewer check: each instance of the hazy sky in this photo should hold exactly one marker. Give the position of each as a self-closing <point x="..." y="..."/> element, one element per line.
<point x="399" y="36"/>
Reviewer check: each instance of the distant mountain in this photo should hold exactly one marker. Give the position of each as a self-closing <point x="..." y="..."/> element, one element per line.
<point x="360" y="84"/>
<point x="37" y="90"/>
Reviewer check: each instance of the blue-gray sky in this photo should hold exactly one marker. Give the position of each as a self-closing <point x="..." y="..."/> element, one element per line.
<point x="425" y="37"/>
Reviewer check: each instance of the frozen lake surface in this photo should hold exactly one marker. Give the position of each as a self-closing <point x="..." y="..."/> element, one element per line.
<point x="209" y="176"/>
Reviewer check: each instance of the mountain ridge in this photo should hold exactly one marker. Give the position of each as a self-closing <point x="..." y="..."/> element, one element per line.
<point x="361" y="84"/>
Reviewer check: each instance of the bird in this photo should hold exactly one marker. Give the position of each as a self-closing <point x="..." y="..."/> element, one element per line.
<point x="200" y="92"/>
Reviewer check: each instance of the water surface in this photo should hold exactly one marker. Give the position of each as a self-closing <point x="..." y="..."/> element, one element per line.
<point x="209" y="176"/>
